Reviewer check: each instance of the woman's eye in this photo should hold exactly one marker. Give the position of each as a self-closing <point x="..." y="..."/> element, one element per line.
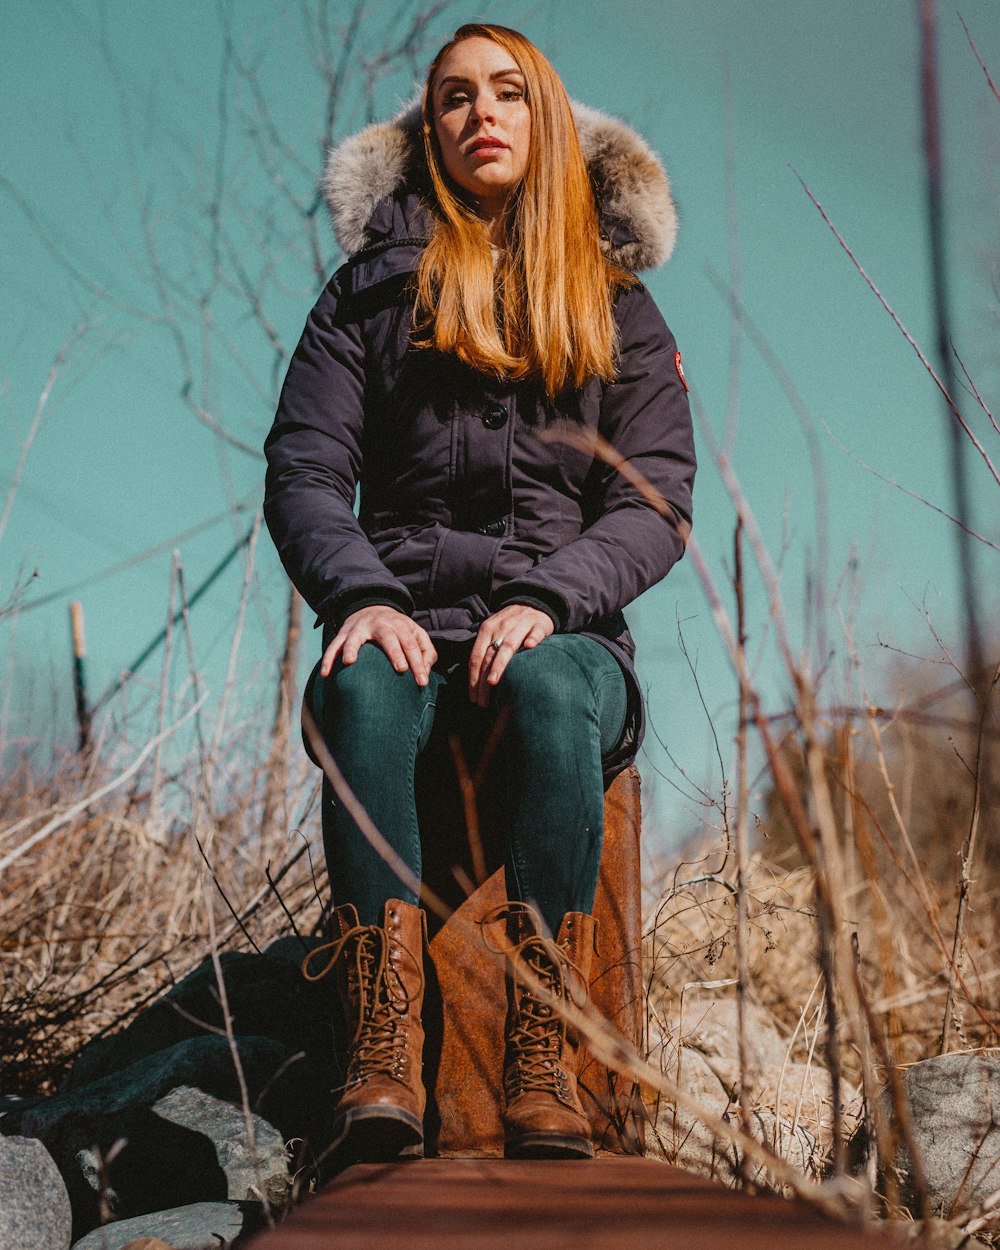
<point x="511" y="93"/>
<point x="454" y="98"/>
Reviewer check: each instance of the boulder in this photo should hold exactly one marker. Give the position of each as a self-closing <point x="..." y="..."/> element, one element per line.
<point x="267" y="995"/>
<point x="34" y="1205"/>
<point x="798" y="1094"/>
<point x="174" y="1159"/>
<point x="677" y="1135"/>
<point x="200" y="1226"/>
<point x="955" y="1107"/>
<point x="709" y="1025"/>
<point x="249" y="1170"/>
<point x="788" y="1111"/>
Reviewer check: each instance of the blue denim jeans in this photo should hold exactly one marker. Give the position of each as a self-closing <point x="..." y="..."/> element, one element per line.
<point x="561" y="707"/>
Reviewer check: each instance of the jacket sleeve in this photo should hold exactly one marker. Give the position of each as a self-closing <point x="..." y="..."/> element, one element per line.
<point x="314" y="457"/>
<point x="628" y="545"/>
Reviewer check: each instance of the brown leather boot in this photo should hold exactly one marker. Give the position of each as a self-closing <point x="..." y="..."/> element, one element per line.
<point x="543" y="1118"/>
<point x="380" y="978"/>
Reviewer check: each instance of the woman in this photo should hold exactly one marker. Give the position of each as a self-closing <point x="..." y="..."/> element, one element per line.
<point x="458" y="367"/>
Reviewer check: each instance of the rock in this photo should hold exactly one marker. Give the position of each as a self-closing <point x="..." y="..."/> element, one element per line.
<point x="798" y="1093"/>
<point x="14" y="1105"/>
<point x="225" y="1125"/>
<point x="200" y="1226"/>
<point x="167" y="1162"/>
<point x="790" y="1140"/>
<point x="676" y="1134"/>
<point x="709" y="1025"/>
<point x="34" y="1205"/>
<point x="955" y="1107"/>
<point x="787" y="1114"/>
<point x="268" y="997"/>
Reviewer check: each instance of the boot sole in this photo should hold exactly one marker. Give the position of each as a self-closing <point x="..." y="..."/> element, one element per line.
<point x="548" y="1146"/>
<point x="379" y="1134"/>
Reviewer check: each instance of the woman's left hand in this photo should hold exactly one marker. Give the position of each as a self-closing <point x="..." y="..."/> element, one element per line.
<point x="499" y="637"/>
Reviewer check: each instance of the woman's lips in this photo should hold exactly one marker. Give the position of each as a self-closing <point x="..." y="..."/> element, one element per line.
<point x="486" y="147"/>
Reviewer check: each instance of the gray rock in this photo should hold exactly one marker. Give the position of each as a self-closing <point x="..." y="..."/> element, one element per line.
<point x="681" y="1137"/>
<point x="34" y="1205"/>
<point x="675" y="1133"/>
<point x="200" y="1226"/>
<point x="224" y="1124"/>
<point x="173" y="1162"/>
<point x="709" y="1025"/>
<point x="955" y="1105"/>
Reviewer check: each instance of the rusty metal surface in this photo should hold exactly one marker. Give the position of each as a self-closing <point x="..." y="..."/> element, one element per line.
<point x="465" y="1003"/>
<point x="492" y="1204"/>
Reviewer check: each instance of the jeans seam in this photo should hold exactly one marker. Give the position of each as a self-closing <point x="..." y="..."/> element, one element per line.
<point x="428" y="704"/>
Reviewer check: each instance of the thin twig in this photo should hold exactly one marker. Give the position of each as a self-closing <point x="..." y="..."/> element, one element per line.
<point x="965" y="881"/>
<point x="970" y="434"/>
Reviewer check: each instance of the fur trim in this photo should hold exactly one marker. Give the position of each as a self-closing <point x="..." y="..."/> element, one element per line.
<point x="370" y="167"/>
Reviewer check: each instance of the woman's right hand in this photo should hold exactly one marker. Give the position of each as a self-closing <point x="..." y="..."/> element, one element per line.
<point x="406" y="643"/>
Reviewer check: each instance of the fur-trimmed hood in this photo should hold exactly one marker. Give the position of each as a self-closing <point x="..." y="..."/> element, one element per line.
<point x="373" y="181"/>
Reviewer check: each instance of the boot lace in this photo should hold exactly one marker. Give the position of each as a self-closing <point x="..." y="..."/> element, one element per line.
<point x="538" y="1034"/>
<point x="543" y="978"/>
<point x="378" y="1047"/>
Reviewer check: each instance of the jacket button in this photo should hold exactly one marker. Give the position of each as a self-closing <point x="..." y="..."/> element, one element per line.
<point x="494" y="416"/>
<point x="494" y="529"/>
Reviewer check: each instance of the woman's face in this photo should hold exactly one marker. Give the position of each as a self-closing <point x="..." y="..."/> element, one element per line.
<point x="482" y="121"/>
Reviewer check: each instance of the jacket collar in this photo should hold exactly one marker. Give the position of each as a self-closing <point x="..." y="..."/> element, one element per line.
<point x="374" y="181"/>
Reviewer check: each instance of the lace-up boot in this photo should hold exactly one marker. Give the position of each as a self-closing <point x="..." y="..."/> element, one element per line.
<point x="379" y="971"/>
<point x="543" y="1118"/>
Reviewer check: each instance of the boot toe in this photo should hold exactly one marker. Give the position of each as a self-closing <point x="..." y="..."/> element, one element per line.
<point x="537" y="1126"/>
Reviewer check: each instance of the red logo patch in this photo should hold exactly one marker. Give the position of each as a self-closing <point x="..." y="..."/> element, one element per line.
<point x="679" y="365"/>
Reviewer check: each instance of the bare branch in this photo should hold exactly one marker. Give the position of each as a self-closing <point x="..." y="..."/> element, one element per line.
<point x="906" y="334"/>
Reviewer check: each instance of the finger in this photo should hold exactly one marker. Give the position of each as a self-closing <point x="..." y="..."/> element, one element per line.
<point x="427" y="649"/>
<point x="479" y="653"/>
<point x="384" y="635"/>
<point x="496" y="661"/>
<point x="535" y="635"/>
<point x="330" y="655"/>
<point x="355" y="639"/>
<point x="410" y="644"/>
<point x="502" y="657"/>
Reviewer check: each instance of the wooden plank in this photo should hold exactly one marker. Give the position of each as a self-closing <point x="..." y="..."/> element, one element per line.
<point x="494" y="1204"/>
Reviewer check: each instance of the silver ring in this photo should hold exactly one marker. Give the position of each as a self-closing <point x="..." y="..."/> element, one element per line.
<point x="496" y="644"/>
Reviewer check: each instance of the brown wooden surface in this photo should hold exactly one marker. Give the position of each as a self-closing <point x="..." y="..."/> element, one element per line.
<point x="465" y="1002"/>
<point x="495" y="1204"/>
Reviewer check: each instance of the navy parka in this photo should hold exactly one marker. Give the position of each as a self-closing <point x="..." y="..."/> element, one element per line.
<point x="475" y="492"/>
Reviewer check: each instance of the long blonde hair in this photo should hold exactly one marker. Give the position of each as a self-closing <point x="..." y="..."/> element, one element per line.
<point x="545" y="308"/>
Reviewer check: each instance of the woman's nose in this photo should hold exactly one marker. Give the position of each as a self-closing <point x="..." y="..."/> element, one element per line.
<point x="481" y="110"/>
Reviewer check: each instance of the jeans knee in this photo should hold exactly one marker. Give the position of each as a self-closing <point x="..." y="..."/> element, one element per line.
<point x="546" y="683"/>
<point x="368" y="698"/>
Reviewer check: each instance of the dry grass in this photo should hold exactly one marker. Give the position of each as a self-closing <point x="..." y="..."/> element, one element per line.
<point x="108" y="908"/>
<point x="869" y="944"/>
<point x="108" y="858"/>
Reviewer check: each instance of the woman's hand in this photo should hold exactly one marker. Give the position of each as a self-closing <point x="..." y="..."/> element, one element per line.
<point x="499" y="637"/>
<point x="407" y="645"/>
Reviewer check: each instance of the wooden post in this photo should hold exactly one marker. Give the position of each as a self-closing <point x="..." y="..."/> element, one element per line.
<point x="79" y="675"/>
